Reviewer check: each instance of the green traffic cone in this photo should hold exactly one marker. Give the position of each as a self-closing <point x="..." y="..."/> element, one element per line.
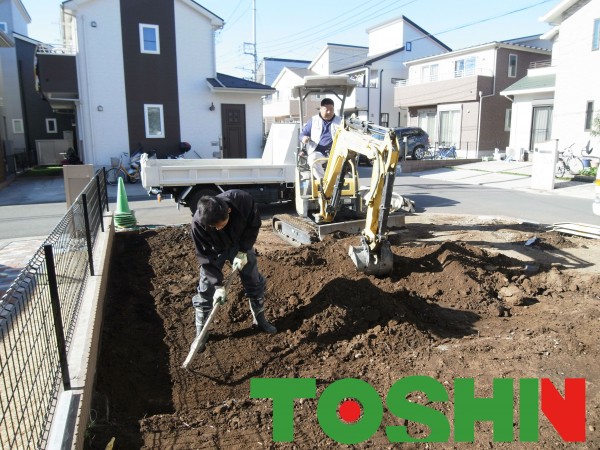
<point x="122" y="204"/>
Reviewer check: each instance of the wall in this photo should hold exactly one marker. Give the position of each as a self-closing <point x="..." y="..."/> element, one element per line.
<point x="195" y="53"/>
<point x="101" y="82"/>
<point x="576" y="78"/>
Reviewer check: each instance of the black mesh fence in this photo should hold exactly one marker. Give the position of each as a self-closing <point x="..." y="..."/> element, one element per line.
<point x="37" y="318"/>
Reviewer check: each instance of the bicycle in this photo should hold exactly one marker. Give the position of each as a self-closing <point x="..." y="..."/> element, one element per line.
<point x="445" y="152"/>
<point x="568" y="161"/>
<point x="130" y="175"/>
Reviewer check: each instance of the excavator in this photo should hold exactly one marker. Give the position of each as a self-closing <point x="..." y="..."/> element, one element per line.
<point x="337" y="202"/>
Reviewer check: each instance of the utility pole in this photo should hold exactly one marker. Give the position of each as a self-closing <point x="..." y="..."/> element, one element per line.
<point x="248" y="45"/>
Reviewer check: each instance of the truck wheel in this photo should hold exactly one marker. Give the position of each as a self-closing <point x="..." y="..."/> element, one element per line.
<point x="195" y="197"/>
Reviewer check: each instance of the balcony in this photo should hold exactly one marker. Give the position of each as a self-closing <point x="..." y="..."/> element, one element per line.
<point x="57" y="76"/>
<point x="462" y="87"/>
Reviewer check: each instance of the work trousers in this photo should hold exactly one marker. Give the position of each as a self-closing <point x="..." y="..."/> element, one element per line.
<point x="252" y="281"/>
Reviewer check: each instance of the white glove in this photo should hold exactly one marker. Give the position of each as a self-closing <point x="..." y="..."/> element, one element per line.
<point x="240" y="260"/>
<point x="220" y="296"/>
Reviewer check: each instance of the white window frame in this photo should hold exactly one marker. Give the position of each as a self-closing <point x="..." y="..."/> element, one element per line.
<point x="512" y="68"/>
<point x="159" y="133"/>
<point x="4" y="27"/>
<point x="507" y="119"/>
<point x="51" y="126"/>
<point x="17" y="125"/>
<point x="143" y="49"/>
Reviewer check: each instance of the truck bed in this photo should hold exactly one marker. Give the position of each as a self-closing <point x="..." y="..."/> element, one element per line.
<point x="277" y="165"/>
<point x="186" y="172"/>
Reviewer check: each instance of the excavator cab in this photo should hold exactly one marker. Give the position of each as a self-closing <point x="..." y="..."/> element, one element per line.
<point x="337" y="202"/>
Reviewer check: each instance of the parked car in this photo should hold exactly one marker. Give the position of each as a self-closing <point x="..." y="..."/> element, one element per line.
<point x="417" y="140"/>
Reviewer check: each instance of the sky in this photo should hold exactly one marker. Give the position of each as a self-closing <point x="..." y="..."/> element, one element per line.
<point x="300" y="32"/>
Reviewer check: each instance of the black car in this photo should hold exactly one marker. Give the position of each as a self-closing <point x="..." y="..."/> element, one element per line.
<point x="417" y="140"/>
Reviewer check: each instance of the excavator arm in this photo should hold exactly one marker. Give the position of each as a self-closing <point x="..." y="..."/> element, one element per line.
<point x="359" y="138"/>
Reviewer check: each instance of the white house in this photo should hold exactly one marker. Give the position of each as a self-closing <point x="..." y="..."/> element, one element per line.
<point x="558" y="101"/>
<point x="375" y="68"/>
<point x="391" y="44"/>
<point x="456" y="96"/>
<point x="146" y="77"/>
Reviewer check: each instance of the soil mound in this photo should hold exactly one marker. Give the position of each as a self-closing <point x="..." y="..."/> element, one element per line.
<point x="449" y="309"/>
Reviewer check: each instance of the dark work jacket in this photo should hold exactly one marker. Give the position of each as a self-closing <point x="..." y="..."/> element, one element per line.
<point x="241" y="231"/>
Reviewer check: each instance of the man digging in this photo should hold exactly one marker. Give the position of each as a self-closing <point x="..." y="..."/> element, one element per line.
<point x="225" y="227"/>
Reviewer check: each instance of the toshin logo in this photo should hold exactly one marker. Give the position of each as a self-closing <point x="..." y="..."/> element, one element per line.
<point x="350" y="411"/>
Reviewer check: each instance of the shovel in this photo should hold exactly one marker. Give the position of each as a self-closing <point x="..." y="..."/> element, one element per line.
<point x="202" y="336"/>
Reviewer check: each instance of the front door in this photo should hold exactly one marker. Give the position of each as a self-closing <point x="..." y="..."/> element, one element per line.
<point x="541" y="125"/>
<point x="233" y="120"/>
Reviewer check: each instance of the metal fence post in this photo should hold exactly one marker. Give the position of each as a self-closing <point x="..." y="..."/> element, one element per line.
<point x="105" y="188"/>
<point x="88" y="235"/>
<point x="100" y="200"/>
<point x="58" y="325"/>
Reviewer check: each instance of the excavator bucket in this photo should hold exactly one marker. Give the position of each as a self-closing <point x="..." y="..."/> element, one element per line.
<point x="379" y="262"/>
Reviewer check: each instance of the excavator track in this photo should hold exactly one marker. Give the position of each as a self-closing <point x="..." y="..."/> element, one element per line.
<point x="295" y="230"/>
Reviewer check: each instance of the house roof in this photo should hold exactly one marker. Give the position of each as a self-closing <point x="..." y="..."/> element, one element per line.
<point x="414" y="25"/>
<point x="300" y="72"/>
<point x="479" y="47"/>
<point x="563" y="11"/>
<point x="531" y="84"/>
<point x="328" y="45"/>
<point x="5" y="40"/>
<point x="215" y="20"/>
<point x="286" y="60"/>
<point x="368" y="61"/>
<point x="227" y="83"/>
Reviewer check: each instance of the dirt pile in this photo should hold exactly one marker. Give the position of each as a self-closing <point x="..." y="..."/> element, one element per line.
<point x="451" y="308"/>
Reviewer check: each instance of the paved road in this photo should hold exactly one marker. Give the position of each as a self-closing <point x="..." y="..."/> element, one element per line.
<point x="439" y="196"/>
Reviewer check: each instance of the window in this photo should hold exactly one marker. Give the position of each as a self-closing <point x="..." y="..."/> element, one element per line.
<point x="589" y="113"/>
<point x="3" y="27"/>
<point x="384" y="119"/>
<point x="596" y="36"/>
<point x="507" y="119"/>
<point x="149" y="39"/>
<point x="51" y="126"/>
<point x="464" y="67"/>
<point x="449" y="127"/>
<point x="18" y="126"/>
<point x="154" y="120"/>
<point x="429" y="73"/>
<point x="408" y="46"/>
<point x="512" y="66"/>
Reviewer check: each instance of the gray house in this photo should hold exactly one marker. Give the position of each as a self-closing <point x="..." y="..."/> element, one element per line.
<point x="456" y="98"/>
<point x="29" y="125"/>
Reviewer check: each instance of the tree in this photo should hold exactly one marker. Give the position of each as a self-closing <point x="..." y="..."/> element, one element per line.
<point x="596" y="126"/>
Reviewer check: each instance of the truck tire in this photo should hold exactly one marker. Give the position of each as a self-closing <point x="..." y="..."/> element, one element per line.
<point x="195" y="197"/>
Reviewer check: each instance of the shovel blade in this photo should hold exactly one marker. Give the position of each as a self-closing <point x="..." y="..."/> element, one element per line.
<point x="379" y="263"/>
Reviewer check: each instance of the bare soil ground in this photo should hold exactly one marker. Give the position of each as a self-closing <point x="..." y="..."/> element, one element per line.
<point x="466" y="298"/>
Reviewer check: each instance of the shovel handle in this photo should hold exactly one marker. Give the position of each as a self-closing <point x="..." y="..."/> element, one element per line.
<point x="200" y="338"/>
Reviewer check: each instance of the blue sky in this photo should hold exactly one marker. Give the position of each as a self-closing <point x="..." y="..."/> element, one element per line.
<point x="302" y="31"/>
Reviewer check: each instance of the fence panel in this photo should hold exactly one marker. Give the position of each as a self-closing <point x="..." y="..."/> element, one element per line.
<point x="30" y="370"/>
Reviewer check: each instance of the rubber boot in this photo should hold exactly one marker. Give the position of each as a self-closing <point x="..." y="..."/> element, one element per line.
<point x="258" y="315"/>
<point x="199" y="325"/>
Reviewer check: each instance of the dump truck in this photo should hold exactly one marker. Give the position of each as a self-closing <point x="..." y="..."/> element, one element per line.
<point x="268" y="179"/>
